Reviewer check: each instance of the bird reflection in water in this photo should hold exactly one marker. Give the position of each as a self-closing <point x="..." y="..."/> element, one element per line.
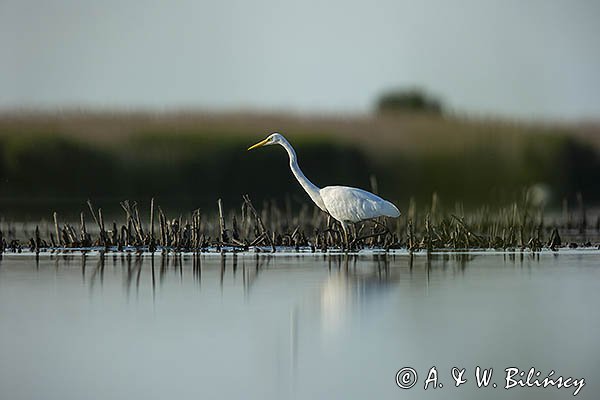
<point x="351" y="282"/>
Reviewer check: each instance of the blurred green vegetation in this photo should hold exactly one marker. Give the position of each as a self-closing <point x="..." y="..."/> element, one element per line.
<point x="191" y="167"/>
<point x="408" y="100"/>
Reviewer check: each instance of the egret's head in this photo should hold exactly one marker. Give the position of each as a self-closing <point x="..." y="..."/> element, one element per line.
<point x="274" y="138"/>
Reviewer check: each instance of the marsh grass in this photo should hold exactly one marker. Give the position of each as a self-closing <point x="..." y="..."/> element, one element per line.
<point x="517" y="226"/>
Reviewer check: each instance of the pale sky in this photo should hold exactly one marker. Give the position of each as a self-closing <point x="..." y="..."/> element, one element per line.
<point x="514" y="58"/>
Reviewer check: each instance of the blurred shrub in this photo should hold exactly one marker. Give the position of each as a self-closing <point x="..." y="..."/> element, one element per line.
<point x="403" y="100"/>
<point x="52" y="165"/>
<point x="193" y="168"/>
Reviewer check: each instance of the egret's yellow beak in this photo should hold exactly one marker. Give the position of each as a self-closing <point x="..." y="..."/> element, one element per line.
<point x="259" y="144"/>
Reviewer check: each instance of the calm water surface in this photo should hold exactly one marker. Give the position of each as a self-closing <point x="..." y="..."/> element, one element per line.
<point x="294" y="327"/>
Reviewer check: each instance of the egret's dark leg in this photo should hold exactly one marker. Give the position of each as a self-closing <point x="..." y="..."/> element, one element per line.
<point x="354" y="234"/>
<point x="345" y="229"/>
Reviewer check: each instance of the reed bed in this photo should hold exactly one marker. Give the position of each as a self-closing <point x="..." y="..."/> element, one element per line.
<point x="271" y="228"/>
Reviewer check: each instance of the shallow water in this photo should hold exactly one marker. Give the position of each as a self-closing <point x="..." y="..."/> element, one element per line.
<point x="295" y="326"/>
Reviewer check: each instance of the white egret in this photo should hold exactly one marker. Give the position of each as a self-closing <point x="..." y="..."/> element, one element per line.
<point x="345" y="204"/>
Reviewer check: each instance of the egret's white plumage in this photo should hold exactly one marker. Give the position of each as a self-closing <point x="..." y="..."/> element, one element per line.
<point x="345" y="204"/>
<point x="348" y="204"/>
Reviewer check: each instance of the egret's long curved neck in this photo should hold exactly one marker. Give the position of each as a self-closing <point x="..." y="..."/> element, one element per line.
<point x="309" y="187"/>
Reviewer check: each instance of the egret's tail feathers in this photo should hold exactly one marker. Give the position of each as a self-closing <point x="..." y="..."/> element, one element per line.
<point x="391" y="210"/>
